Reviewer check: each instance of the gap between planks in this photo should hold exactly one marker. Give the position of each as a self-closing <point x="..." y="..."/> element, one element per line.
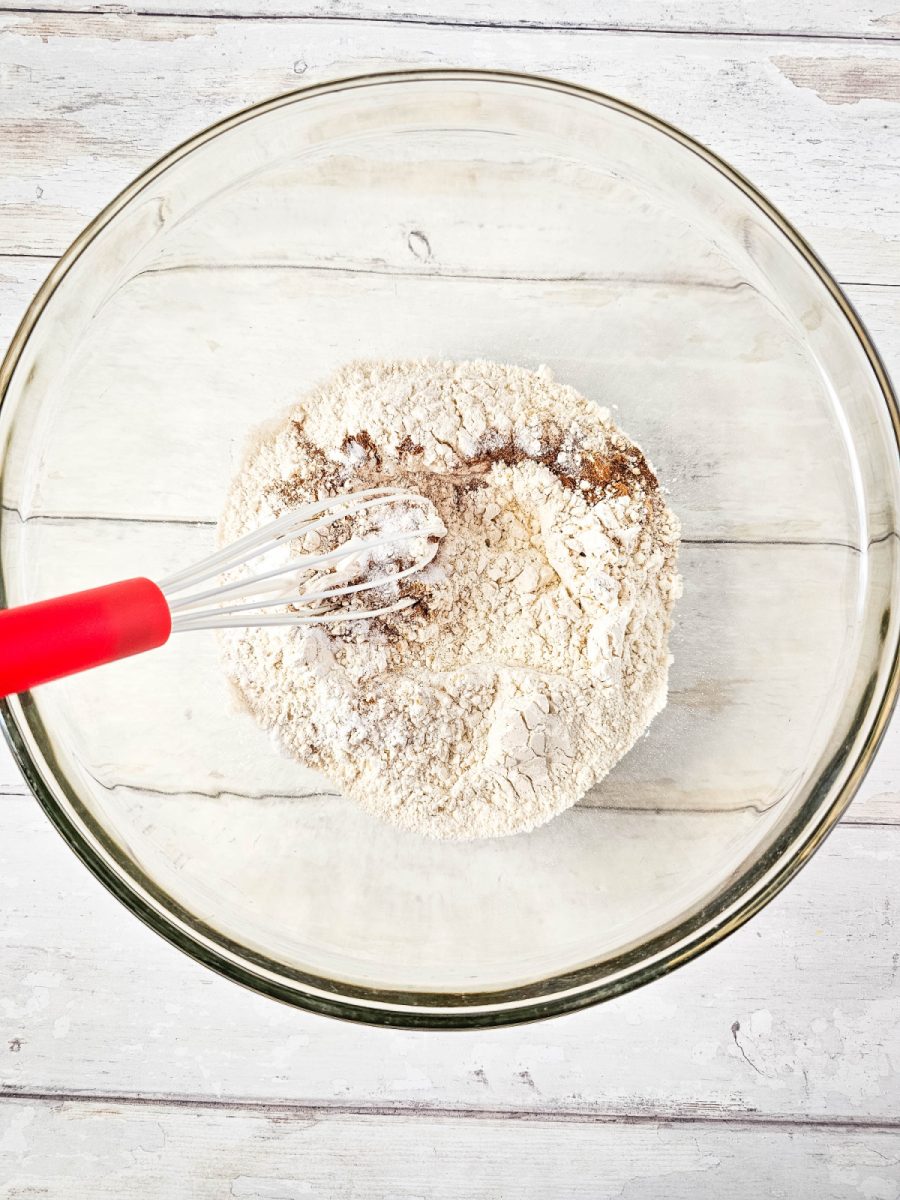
<point x="13" y="256"/>
<point x="9" y="792"/>
<point x="197" y="523"/>
<point x="114" y="12"/>
<point x="335" y="1110"/>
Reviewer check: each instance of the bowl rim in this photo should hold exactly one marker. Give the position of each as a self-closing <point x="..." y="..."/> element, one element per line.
<point x="580" y="987"/>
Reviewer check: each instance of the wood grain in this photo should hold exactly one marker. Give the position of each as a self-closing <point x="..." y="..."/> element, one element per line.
<point x="87" y="101"/>
<point x="793" y="1015"/>
<point x="20" y="278"/>
<point x="84" y="1151"/>
<point x="828" y="19"/>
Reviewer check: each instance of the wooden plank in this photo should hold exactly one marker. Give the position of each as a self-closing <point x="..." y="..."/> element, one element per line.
<point x="273" y="333"/>
<point x="20" y="278"/>
<point x="11" y="781"/>
<point x="91" y="1151"/>
<point x="831" y="18"/>
<point x="878" y="801"/>
<point x="879" y="308"/>
<point x="793" y="1015"/>
<point x="90" y="100"/>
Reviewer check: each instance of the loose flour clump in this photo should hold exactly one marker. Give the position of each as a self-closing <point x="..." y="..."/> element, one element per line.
<point x="537" y="650"/>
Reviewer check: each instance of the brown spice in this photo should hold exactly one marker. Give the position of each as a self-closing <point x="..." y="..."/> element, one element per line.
<point x="408" y="447"/>
<point x="620" y="471"/>
<point x="616" y="473"/>
<point x="363" y="439"/>
<point x="292" y="492"/>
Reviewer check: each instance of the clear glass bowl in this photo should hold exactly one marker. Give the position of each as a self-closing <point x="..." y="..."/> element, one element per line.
<point x="456" y="214"/>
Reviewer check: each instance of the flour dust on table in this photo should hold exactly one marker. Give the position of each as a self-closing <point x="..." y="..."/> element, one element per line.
<point x="536" y="651"/>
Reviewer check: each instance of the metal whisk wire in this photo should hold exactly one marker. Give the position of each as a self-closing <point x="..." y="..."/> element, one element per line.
<point x="292" y="582"/>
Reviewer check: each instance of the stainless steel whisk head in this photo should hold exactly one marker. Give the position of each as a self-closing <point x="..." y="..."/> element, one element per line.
<point x="310" y="588"/>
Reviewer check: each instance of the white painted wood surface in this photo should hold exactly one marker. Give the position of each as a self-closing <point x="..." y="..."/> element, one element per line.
<point x="830" y="18"/>
<point x="95" y="1005"/>
<point x="772" y="1065"/>
<point x="809" y="120"/>
<point x="161" y="1150"/>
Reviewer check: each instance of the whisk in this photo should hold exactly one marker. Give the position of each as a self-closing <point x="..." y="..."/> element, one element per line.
<point x="245" y="581"/>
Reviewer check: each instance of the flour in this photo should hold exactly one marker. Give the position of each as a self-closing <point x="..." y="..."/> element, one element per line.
<point x="537" y="650"/>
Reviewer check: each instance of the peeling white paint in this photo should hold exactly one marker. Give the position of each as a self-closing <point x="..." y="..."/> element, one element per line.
<point x="13" y="1124"/>
<point x="246" y="1187"/>
<point x="761" y="1023"/>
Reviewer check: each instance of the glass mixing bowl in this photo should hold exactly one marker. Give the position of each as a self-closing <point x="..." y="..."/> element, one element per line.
<point x="456" y="214"/>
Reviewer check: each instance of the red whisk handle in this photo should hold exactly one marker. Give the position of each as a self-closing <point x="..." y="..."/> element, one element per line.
<point x="44" y="641"/>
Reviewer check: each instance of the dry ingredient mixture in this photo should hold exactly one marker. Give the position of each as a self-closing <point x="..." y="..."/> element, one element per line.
<point x="536" y="653"/>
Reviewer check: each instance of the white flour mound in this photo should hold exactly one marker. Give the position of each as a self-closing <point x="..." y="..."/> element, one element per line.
<point x="537" y="653"/>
